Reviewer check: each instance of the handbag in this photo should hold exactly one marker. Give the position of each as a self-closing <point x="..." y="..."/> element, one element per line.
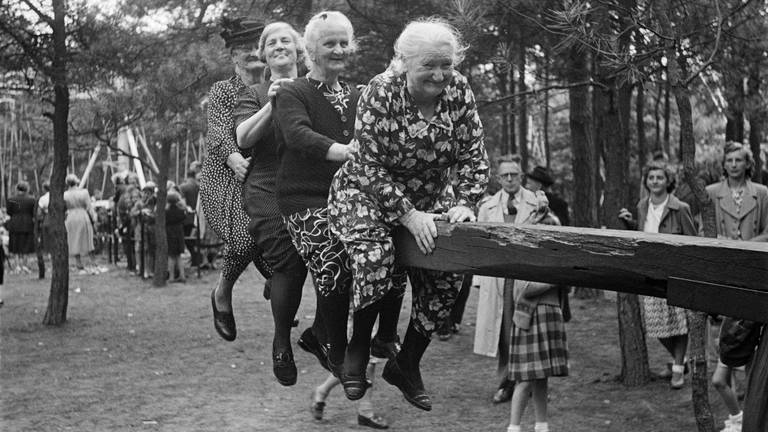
<point x="738" y="340"/>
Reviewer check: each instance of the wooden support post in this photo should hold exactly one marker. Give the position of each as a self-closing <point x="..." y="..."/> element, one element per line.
<point x="728" y="274"/>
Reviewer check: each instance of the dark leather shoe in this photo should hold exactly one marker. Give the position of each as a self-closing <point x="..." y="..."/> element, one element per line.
<point x="354" y="386"/>
<point x="317" y="409"/>
<point x="309" y="343"/>
<point x="223" y="322"/>
<point x="375" y="422"/>
<point x="284" y="367"/>
<point x="414" y="394"/>
<point x="504" y="392"/>
<point x="386" y="350"/>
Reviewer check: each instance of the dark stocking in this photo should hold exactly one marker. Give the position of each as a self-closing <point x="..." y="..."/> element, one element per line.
<point x="285" y="299"/>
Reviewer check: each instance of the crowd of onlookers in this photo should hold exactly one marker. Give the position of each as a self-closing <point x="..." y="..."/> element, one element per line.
<point x="96" y="225"/>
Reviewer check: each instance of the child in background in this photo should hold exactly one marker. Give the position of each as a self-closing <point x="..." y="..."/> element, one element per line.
<point x="175" y="213"/>
<point x="538" y="348"/>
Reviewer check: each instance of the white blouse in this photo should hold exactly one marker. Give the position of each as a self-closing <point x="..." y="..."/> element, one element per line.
<point x="653" y="217"/>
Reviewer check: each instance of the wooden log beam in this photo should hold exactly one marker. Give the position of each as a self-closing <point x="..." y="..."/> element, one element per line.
<point x="616" y="260"/>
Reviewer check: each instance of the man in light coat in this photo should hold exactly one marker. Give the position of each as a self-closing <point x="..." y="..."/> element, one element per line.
<point x="514" y="204"/>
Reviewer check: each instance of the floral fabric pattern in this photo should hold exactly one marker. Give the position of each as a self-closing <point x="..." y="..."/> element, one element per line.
<point x="403" y="161"/>
<point x="324" y="254"/>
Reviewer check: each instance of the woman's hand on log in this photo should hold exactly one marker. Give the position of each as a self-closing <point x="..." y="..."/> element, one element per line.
<point x="422" y="226"/>
<point x="461" y="214"/>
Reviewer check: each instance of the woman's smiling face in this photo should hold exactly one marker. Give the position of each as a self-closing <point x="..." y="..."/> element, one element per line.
<point x="430" y="73"/>
<point x="332" y="49"/>
<point x="280" y="48"/>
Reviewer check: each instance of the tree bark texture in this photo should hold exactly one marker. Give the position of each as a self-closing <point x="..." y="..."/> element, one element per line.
<point x="584" y="153"/>
<point x="734" y="126"/>
<point x="756" y="117"/>
<point x="642" y="143"/>
<point x="58" y="298"/>
<point x="634" y="352"/>
<point x="697" y="333"/>
<point x="161" y="238"/>
<point x="522" y="112"/>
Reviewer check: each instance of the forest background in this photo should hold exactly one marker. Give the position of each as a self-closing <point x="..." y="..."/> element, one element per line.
<point x="589" y="89"/>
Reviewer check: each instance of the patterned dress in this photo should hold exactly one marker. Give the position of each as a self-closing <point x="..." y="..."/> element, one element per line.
<point x="403" y="161"/>
<point x="220" y="191"/>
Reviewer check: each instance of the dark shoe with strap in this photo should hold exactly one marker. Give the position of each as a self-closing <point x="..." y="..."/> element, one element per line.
<point x="309" y="343"/>
<point x="223" y="322"/>
<point x="411" y="387"/>
<point x="354" y="386"/>
<point x="504" y="392"/>
<point x="385" y="350"/>
<point x="284" y="367"/>
<point x="376" y="421"/>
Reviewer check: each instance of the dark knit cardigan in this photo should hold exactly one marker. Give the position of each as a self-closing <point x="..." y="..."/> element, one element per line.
<point x="308" y="126"/>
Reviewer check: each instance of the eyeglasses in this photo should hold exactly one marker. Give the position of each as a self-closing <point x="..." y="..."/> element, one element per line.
<point x="509" y="176"/>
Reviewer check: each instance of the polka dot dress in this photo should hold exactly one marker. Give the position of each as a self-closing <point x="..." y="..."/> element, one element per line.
<point x="220" y="191"/>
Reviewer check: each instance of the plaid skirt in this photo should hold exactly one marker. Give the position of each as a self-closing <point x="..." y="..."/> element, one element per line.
<point x="542" y="350"/>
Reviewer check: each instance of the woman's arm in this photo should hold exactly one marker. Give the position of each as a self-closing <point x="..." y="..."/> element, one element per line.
<point x="296" y="126"/>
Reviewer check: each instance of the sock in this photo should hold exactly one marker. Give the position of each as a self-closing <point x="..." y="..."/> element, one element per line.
<point x="541" y="427"/>
<point x="513" y="428"/>
<point x="736" y="417"/>
<point x="678" y="368"/>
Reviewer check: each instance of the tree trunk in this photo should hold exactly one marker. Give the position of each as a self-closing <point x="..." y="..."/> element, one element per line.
<point x="614" y="139"/>
<point x="547" y="150"/>
<point x="697" y="324"/>
<point x="505" y="113"/>
<point x="734" y="127"/>
<point x="667" y="114"/>
<point x="584" y="154"/>
<point x="58" y="298"/>
<point x="634" y="354"/>
<point x="642" y="145"/>
<point x="657" y="118"/>
<point x="522" y="112"/>
<point x="756" y="118"/>
<point x="161" y="239"/>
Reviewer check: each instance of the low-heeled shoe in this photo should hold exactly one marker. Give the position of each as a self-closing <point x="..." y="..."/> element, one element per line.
<point x="375" y="422"/>
<point x="284" y="367"/>
<point x="385" y="350"/>
<point x="414" y="395"/>
<point x="223" y="322"/>
<point x="504" y="392"/>
<point x="354" y="386"/>
<point x="309" y="343"/>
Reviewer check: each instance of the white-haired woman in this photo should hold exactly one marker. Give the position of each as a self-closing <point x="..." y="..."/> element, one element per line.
<point x="415" y="122"/>
<point x="315" y="118"/>
<point x="78" y="221"/>
<point x="281" y="49"/>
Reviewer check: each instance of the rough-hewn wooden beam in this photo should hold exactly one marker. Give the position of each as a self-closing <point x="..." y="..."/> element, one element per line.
<point x="626" y="261"/>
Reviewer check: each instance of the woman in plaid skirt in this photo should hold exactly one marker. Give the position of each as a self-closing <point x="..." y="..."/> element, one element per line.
<point x="538" y="348"/>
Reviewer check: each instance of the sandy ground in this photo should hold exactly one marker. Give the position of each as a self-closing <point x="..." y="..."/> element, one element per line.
<point x="133" y="357"/>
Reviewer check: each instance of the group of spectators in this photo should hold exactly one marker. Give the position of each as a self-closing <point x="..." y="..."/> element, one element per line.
<point x="135" y="210"/>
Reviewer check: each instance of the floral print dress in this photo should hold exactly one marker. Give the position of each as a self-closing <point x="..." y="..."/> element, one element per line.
<point x="403" y="161"/>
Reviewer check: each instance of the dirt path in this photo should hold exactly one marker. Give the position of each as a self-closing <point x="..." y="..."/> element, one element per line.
<point x="133" y="357"/>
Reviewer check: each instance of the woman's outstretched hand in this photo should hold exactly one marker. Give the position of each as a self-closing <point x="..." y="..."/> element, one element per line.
<point x="422" y="226"/>
<point x="461" y="214"/>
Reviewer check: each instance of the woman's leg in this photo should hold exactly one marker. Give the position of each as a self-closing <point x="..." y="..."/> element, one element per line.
<point x="519" y="401"/>
<point x="540" y="400"/>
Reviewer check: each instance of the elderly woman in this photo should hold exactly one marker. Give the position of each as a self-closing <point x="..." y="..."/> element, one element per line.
<point x="280" y="48"/>
<point x="79" y="220"/>
<point x="414" y="122"/>
<point x="662" y="212"/>
<point x="225" y="169"/>
<point x="315" y="116"/>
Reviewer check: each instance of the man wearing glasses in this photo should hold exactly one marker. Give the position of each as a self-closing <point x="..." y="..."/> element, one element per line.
<point x="512" y="204"/>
